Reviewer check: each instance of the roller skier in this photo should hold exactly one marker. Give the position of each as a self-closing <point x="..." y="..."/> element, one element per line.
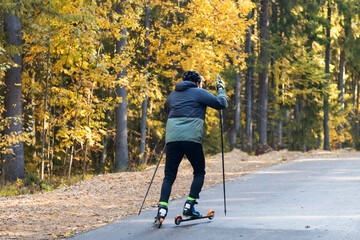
<point x="186" y="107"/>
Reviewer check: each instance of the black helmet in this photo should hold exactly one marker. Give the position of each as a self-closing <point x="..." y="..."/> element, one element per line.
<point x="192" y="76"/>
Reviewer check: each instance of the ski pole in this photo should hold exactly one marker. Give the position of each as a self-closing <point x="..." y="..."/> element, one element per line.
<point x="152" y="179"/>
<point x="222" y="154"/>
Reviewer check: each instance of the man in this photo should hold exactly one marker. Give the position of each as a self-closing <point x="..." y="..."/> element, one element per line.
<point x="186" y="106"/>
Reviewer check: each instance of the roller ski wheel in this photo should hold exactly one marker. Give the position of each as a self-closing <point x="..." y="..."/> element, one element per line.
<point x="160" y="216"/>
<point x="158" y="222"/>
<point x="178" y="218"/>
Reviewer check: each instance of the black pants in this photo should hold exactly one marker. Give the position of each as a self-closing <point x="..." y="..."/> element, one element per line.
<point x="175" y="151"/>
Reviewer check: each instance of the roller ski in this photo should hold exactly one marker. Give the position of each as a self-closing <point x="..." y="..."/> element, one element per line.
<point x="189" y="213"/>
<point x="161" y="215"/>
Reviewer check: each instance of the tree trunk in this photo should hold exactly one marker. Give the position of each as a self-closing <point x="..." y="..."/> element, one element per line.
<point x="253" y="105"/>
<point x="273" y="100"/>
<point x="45" y="108"/>
<point x="280" y="122"/>
<point x="264" y="74"/>
<point x="14" y="166"/>
<point x="280" y="135"/>
<point x="273" y="95"/>
<point x="144" y="103"/>
<point x="143" y="130"/>
<point x="103" y="154"/>
<point x="327" y="70"/>
<point x="357" y="112"/>
<point x="355" y="117"/>
<point x="341" y="78"/>
<point x="341" y="82"/>
<point x="65" y="160"/>
<point x="297" y="125"/>
<point x="287" y="116"/>
<point x="236" y="129"/>
<point x="341" y="89"/>
<point x="248" y="92"/>
<point x="53" y="146"/>
<point x="121" y="154"/>
<point x="49" y="164"/>
<point x="71" y="160"/>
<point x="85" y="159"/>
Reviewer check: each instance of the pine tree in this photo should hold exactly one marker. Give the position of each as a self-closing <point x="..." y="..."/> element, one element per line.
<point x="264" y="72"/>
<point x="122" y="154"/>
<point x="249" y="86"/>
<point x="327" y="70"/>
<point x="13" y="167"/>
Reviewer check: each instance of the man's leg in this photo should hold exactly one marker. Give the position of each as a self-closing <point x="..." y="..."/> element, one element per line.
<point x="196" y="157"/>
<point x="174" y="155"/>
<point x="194" y="152"/>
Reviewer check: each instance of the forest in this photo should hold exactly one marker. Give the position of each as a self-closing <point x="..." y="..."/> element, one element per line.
<point x="83" y="82"/>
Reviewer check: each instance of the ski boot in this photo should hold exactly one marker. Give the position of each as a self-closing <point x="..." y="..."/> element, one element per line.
<point x="160" y="216"/>
<point x="189" y="210"/>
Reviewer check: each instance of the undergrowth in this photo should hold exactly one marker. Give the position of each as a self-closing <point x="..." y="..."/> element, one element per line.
<point x="33" y="184"/>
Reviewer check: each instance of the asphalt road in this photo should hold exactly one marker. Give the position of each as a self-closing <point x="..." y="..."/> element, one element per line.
<point x="317" y="198"/>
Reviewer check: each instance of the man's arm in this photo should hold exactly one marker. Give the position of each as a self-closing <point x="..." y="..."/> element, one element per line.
<point x="167" y="104"/>
<point x="217" y="102"/>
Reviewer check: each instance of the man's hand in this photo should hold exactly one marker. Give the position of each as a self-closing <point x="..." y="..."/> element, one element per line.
<point x="220" y="84"/>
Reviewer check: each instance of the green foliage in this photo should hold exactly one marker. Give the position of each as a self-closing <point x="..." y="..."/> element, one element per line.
<point x="9" y="190"/>
<point x="14" y="189"/>
<point x="212" y="142"/>
<point x="32" y="184"/>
